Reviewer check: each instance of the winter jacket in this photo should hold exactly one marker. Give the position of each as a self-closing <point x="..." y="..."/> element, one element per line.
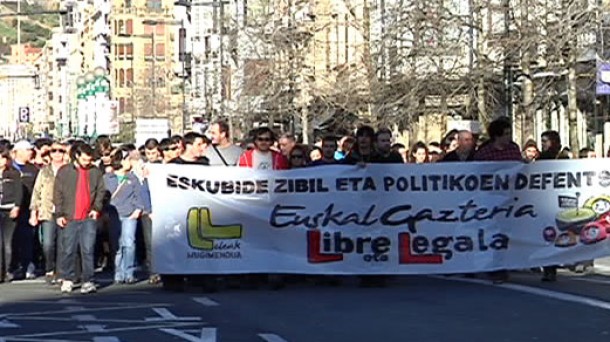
<point x="278" y="160"/>
<point x="42" y="194"/>
<point x="11" y="189"/>
<point x="64" y="190"/>
<point x="128" y="197"/>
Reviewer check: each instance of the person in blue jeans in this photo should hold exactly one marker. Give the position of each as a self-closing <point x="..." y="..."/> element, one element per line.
<point x="126" y="198"/>
<point x="78" y="193"/>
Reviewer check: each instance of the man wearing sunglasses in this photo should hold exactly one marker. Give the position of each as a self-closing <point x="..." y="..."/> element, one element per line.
<point x="262" y="157"/>
<point x="168" y="150"/>
<point x="41" y="210"/>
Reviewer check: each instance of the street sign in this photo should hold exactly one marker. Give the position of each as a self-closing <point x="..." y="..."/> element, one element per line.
<point x="150" y="128"/>
<point x="24" y="114"/>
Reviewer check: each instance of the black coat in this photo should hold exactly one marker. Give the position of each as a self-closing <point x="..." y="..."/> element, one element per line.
<point x="12" y="188"/>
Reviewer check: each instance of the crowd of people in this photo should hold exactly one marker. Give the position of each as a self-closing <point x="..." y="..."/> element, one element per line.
<point x="69" y="209"/>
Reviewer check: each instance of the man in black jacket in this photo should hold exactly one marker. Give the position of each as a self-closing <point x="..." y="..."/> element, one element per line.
<point x="77" y="195"/>
<point x="11" y="194"/>
<point x="465" y="150"/>
<point x="551" y="150"/>
<point x="25" y="235"/>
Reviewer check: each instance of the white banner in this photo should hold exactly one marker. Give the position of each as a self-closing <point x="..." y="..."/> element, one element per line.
<point x="380" y="219"/>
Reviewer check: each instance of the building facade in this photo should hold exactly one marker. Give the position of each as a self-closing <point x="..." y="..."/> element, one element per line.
<point x="145" y="74"/>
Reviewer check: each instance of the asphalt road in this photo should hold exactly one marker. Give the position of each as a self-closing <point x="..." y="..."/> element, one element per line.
<point x="577" y="308"/>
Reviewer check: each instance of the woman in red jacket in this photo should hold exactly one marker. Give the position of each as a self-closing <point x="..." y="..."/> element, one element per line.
<point x="262" y="157"/>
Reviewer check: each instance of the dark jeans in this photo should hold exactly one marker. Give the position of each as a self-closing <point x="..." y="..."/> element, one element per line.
<point x="147" y="232"/>
<point x="7" y="230"/>
<point x="107" y="241"/>
<point x="78" y="234"/>
<point x="25" y="240"/>
<point x="51" y="244"/>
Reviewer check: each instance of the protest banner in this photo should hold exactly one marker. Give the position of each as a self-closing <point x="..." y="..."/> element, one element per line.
<point x="379" y="219"/>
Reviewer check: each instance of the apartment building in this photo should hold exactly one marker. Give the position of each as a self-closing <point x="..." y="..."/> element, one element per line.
<point x="20" y="87"/>
<point x="143" y="61"/>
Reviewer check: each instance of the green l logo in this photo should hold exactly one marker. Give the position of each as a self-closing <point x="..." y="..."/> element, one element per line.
<point x="201" y="232"/>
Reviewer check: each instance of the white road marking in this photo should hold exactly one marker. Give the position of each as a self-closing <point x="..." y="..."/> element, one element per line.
<point x="113" y="330"/>
<point x="66" y="301"/>
<point x="592" y="280"/>
<point x="271" y="338"/>
<point x="93" y="327"/>
<point x="106" y="339"/>
<point x="7" y="324"/>
<point x="207" y="335"/>
<point x="25" y="339"/>
<point x="166" y="315"/>
<point x="75" y="308"/>
<point x="566" y="297"/>
<point x="83" y="309"/>
<point x="84" y="317"/>
<point x="70" y="319"/>
<point x="205" y="301"/>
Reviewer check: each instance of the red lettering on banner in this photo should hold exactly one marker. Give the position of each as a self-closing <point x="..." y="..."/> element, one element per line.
<point x="313" y="249"/>
<point x="407" y="257"/>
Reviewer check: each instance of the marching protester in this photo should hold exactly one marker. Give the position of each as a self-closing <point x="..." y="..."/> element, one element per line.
<point x="77" y="196"/>
<point x="25" y="234"/>
<point x="297" y="157"/>
<point x="194" y="148"/>
<point x="345" y="147"/>
<point x="168" y="151"/>
<point x="11" y="194"/>
<point x="401" y="149"/>
<point x="383" y="146"/>
<point x="222" y="152"/>
<point x="363" y="150"/>
<point x="287" y="142"/>
<point x="262" y="157"/>
<point x="41" y="152"/>
<point x="419" y="154"/>
<point x="152" y="151"/>
<point x="551" y="150"/>
<point x="586" y="153"/>
<point x="42" y="211"/>
<point x="465" y="149"/>
<point x="530" y="151"/>
<point x="315" y="153"/>
<point x="126" y="198"/>
<point x="500" y="147"/>
<point x="329" y="147"/>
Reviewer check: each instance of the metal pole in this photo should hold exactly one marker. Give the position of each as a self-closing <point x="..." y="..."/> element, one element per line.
<point x="154" y="74"/>
<point x="221" y="53"/>
<point x="19" y="32"/>
<point x="508" y="74"/>
<point x="184" y="111"/>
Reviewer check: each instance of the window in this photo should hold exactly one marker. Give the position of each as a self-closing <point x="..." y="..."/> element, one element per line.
<point x="130" y="77"/>
<point x="121" y="78"/>
<point x="121" y="105"/>
<point x="153" y="4"/>
<point x="50" y="95"/>
<point x="129" y="27"/>
<point x="160" y="51"/>
<point x="148" y="51"/>
<point x="121" y="52"/>
<point x="120" y="27"/>
<point x="129" y="51"/>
